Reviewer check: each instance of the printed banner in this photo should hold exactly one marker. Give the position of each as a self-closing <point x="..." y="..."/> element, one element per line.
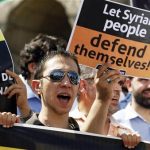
<point x="6" y="62"/>
<point x="46" y="138"/>
<point x="107" y="31"/>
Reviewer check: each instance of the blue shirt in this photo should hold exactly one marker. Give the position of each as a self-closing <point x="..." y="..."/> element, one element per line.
<point x="35" y="104"/>
<point x="124" y="102"/>
<point x="129" y="118"/>
<point x="33" y="98"/>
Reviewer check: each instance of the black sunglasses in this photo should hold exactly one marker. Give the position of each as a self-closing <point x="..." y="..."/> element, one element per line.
<point x="58" y="75"/>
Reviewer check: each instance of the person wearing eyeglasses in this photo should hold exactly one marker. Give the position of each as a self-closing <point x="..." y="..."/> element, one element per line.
<point x="58" y="86"/>
<point x="58" y="83"/>
<point x="30" y="56"/>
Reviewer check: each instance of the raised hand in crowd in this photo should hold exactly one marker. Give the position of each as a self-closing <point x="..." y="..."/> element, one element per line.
<point x="104" y="81"/>
<point x="18" y="89"/>
<point x="8" y="119"/>
<point x="99" y="117"/>
<point x="96" y="119"/>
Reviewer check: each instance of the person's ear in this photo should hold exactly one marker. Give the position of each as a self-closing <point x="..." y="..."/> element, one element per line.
<point x="36" y="86"/>
<point x="128" y="84"/>
<point x="32" y="67"/>
<point x="83" y="86"/>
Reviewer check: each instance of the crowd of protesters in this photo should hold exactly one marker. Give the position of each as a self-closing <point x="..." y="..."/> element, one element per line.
<point x="51" y="80"/>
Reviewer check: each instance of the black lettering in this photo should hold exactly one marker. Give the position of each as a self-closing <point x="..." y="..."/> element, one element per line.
<point x="105" y="44"/>
<point x="102" y="57"/>
<point x="137" y="65"/>
<point x="131" y="50"/>
<point x="122" y="48"/>
<point x="83" y="51"/>
<point x="92" y="54"/>
<point x="114" y="43"/>
<point x="119" y="62"/>
<point x="113" y="59"/>
<point x="125" y="61"/>
<point x="96" y="40"/>
<point x="143" y="66"/>
<point x="148" y="65"/>
<point x="141" y="52"/>
<point x="130" y="63"/>
<point x="76" y="49"/>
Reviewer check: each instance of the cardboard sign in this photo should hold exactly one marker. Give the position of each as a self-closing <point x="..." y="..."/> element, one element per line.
<point x="6" y="62"/>
<point x="107" y="31"/>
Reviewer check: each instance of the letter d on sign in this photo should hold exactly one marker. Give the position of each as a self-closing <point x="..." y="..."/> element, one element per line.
<point x="96" y="40"/>
<point x="4" y="77"/>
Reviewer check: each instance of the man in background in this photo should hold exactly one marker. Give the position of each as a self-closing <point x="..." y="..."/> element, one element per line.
<point x="136" y="115"/>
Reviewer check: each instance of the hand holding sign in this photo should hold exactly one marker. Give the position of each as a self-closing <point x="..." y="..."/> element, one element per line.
<point x="8" y="119"/>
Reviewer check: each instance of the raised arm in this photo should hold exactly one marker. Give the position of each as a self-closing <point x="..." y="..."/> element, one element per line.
<point x="18" y="89"/>
<point x="104" y="81"/>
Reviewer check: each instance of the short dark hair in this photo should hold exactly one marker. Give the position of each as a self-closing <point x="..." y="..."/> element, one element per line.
<point x="65" y="54"/>
<point x="37" y="49"/>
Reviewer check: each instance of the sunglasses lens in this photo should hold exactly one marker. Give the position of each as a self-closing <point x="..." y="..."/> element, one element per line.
<point x="56" y="75"/>
<point x="73" y="77"/>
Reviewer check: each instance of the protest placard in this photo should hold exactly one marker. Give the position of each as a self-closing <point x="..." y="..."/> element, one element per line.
<point x="106" y="31"/>
<point x="6" y="62"/>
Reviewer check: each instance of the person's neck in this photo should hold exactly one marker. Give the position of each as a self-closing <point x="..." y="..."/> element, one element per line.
<point x="29" y="81"/>
<point x="145" y="113"/>
<point x="52" y="119"/>
<point x="83" y="107"/>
